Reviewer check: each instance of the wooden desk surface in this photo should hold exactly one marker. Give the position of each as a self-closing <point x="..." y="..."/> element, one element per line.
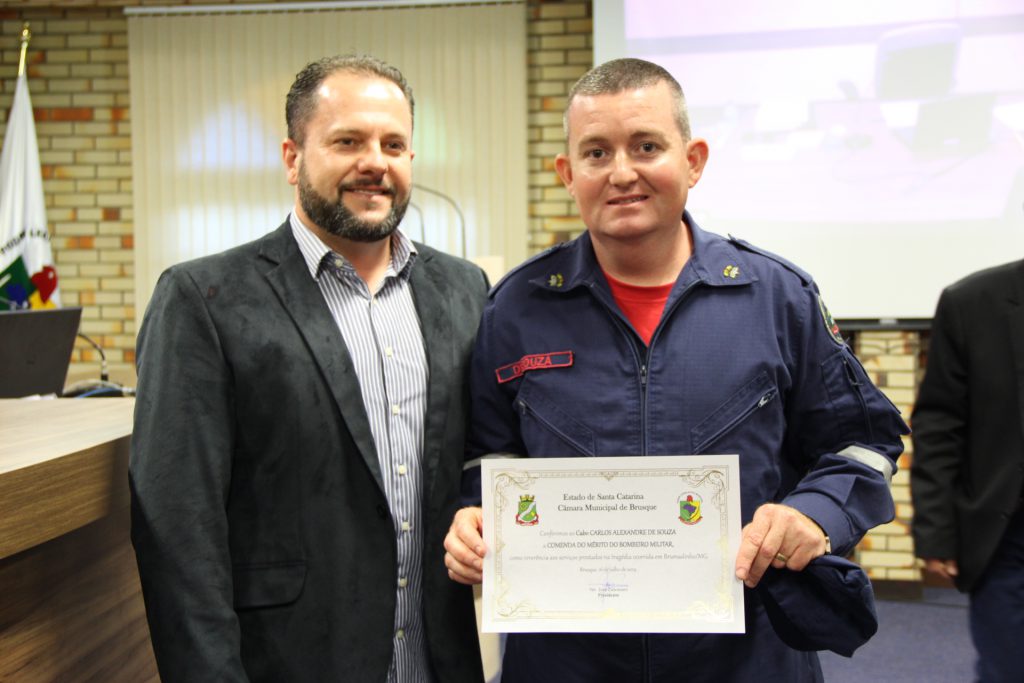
<point x="71" y="606"/>
<point x="63" y="464"/>
<point x="35" y="431"/>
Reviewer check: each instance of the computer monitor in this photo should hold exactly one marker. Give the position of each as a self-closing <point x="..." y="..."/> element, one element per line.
<point x="35" y="350"/>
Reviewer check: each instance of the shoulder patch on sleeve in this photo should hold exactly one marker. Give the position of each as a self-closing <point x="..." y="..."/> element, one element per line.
<point x="830" y="323"/>
<point x="788" y="265"/>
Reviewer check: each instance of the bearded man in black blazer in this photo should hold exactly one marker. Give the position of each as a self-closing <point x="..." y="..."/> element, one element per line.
<point x="967" y="479"/>
<point x="300" y="422"/>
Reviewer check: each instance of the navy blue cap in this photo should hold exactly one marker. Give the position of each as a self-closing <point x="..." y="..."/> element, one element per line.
<point x="830" y="605"/>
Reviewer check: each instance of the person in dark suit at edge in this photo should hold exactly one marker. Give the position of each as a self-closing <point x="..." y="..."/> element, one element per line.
<point x="967" y="478"/>
<point x="300" y="421"/>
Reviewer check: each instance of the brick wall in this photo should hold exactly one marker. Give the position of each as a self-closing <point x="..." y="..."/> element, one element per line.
<point x="892" y="360"/>
<point x="77" y="67"/>
<point x="559" y="51"/>
<point x="78" y="79"/>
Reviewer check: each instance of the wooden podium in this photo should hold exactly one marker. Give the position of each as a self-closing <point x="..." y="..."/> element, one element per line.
<point x="70" y="603"/>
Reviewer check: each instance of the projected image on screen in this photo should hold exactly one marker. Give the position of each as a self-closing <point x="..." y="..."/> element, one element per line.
<point x="845" y="131"/>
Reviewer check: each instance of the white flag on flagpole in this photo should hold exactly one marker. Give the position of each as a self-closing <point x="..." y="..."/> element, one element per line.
<point x="28" y="278"/>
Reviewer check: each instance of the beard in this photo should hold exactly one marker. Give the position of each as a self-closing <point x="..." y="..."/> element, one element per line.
<point x="337" y="219"/>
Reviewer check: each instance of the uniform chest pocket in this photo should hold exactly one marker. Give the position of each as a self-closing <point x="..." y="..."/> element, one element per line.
<point x="739" y="408"/>
<point x="547" y="429"/>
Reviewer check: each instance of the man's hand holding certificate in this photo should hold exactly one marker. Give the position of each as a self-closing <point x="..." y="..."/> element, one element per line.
<point x="612" y="544"/>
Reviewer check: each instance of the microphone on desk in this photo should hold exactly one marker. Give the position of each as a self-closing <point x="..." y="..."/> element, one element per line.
<point x="91" y="388"/>
<point x="104" y="375"/>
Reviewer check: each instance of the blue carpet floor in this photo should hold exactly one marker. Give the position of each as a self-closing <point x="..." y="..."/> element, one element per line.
<point x="917" y="641"/>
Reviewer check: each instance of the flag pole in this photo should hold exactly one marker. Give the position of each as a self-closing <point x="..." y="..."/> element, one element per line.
<point x="27" y="273"/>
<point x="26" y="36"/>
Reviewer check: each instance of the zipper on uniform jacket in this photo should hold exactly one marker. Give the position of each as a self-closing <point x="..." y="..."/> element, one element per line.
<point x="856" y="383"/>
<point x="643" y="361"/>
<point x="765" y="399"/>
<point x="552" y="428"/>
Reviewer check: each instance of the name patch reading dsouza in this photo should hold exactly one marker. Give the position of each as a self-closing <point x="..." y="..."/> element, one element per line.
<point x="536" y="361"/>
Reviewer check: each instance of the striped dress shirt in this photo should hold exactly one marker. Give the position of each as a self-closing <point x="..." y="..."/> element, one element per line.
<point x="382" y="334"/>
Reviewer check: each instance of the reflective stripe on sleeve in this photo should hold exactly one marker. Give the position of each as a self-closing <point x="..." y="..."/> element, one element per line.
<point x="475" y="462"/>
<point x="866" y="456"/>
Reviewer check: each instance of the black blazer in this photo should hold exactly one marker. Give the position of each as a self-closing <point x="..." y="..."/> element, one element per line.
<point x="264" y="540"/>
<point x="968" y="469"/>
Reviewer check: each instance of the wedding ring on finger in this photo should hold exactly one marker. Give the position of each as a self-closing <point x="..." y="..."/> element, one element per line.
<point x="781" y="558"/>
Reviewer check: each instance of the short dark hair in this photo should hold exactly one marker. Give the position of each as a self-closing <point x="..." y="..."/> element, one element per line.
<point x="302" y="96"/>
<point x="628" y="74"/>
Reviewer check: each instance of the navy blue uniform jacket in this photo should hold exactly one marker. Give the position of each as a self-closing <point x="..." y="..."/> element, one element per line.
<point x="747" y="360"/>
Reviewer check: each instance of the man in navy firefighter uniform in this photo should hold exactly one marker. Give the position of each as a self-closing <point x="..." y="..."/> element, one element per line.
<point x="649" y="336"/>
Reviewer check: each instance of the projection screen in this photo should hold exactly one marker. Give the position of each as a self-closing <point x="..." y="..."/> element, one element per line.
<point x="878" y="145"/>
